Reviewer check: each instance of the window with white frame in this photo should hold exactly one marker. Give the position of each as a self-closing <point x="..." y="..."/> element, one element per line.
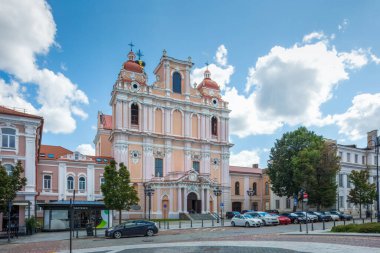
<point x="356" y="158"/>
<point x="363" y="159"/>
<point x="340" y="180"/>
<point x="47" y="182"/>
<point x="348" y="182"/>
<point x="82" y="183"/>
<point x="70" y="183"/>
<point x="9" y="169"/>
<point x="348" y="157"/>
<point x="341" y="155"/>
<point x="8" y="138"/>
<point x="341" y="201"/>
<point x="277" y="204"/>
<point x="102" y="181"/>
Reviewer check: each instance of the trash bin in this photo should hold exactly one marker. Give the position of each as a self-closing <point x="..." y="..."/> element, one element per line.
<point x="90" y="229"/>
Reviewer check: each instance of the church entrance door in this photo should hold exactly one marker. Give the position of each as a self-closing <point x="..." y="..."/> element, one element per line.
<point x="193" y="204"/>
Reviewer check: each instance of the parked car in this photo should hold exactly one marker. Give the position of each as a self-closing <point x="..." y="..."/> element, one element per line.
<point x="282" y="219"/>
<point x="245" y="220"/>
<point x="273" y="211"/>
<point x="321" y="216"/>
<point x="267" y="218"/>
<point x="342" y="216"/>
<point x="294" y="218"/>
<point x="246" y="211"/>
<point x="230" y="215"/>
<point x="333" y="216"/>
<point x="312" y="217"/>
<point x="132" y="228"/>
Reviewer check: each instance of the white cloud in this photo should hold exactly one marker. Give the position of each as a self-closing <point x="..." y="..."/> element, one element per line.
<point x="11" y="95"/>
<point x="63" y="66"/>
<point x="245" y="119"/>
<point x="220" y="72"/>
<point x="354" y="59"/>
<point x="26" y="34"/>
<point x="221" y="55"/>
<point x="313" y="36"/>
<point x="86" y="149"/>
<point x="361" y="117"/>
<point x="343" y="26"/>
<point x="374" y="58"/>
<point x="245" y="158"/>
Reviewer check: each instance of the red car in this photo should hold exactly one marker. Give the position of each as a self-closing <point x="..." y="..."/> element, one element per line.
<point x="284" y="220"/>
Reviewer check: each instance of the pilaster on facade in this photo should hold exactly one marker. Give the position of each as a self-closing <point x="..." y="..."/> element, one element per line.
<point x="30" y="156"/>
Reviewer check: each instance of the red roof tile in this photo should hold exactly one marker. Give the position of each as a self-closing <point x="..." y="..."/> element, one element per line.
<point x="245" y="170"/>
<point x="5" y="110"/>
<point x="57" y="151"/>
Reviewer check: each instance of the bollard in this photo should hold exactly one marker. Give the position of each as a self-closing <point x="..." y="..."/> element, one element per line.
<point x="212" y="222"/>
<point x="179" y="224"/>
<point x="371" y="218"/>
<point x="202" y="223"/>
<point x="168" y="225"/>
<point x="222" y="222"/>
<point x="334" y="222"/>
<point x="312" y="225"/>
<point x="191" y="223"/>
<point x="300" y="227"/>
<point x="159" y="224"/>
<point x="363" y="221"/>
<point x="324" y="225"/>
<point x="344" y="222"/>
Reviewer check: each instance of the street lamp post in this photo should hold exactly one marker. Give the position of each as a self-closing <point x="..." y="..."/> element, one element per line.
<point x="376" y="142"/>
<point x="250" y="193"/>
<point x="149" y="191"/>
<point x="218" y="192"/>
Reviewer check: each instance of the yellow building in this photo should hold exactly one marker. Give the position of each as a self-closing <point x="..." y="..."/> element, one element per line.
<point x="171" y="135"/>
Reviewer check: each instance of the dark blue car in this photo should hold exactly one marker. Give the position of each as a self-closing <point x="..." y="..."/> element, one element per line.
<point x="132" y="228"/>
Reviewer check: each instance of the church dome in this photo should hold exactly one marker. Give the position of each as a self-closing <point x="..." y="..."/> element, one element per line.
<point x="131" y="65"/>
<point x="208" y="82"/>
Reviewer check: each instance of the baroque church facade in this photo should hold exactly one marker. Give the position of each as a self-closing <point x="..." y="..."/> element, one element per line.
<point x="171" y="135"/>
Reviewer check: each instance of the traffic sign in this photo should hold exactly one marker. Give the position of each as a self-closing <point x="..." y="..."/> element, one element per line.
<point x="305" y="197"/>
<point x="295" y="201"/>
<point x="222" y="204"/>
<point x="165" y="206"/>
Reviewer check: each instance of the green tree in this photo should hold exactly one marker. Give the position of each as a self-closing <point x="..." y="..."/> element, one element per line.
<point x="322" y="183"/>
<point x="363" y="192"/>
<point x="302" y="160"/>
<point x="118" y="192"/>
<point x="10" y="184"/>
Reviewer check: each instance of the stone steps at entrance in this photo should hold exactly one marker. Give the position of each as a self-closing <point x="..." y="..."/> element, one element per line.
<point x="203" y="216"/>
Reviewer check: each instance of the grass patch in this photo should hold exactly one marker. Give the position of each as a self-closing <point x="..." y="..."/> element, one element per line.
<point x="358" y="228"/>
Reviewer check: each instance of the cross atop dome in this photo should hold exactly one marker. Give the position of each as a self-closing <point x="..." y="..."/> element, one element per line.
<point x="131" y="45"/>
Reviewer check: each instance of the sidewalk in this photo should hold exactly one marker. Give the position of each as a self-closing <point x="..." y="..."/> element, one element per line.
<point x="328" y="233"/>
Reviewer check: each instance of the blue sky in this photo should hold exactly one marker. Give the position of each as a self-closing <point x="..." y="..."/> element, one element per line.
<point x="281" y="64"/>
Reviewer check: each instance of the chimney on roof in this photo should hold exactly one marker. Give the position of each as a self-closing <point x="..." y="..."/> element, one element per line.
<point x="371" y="138"/>
<point x="255" y="166"/>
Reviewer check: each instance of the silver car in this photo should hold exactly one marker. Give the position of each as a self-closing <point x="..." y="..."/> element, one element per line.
<point x="267" y="218"/>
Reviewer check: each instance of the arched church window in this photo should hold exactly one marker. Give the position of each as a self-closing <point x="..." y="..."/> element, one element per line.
<point x="158" y="167"/>
<point x="177" y="82"/>
<point x="254" y="188"/>
<point x="214" y="126"/>
<point x="237" y="188"/>
<point x="70" y="183"/>
<point x="134" y="114"/>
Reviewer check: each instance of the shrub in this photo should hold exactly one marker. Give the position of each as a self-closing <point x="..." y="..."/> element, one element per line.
<point x="31" y="224"/>
<point x="358" y="228"/>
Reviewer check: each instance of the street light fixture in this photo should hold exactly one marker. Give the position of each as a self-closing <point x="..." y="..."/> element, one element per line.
<point x="149" y="191"/>
<point x="251" y="193"/>
<point x="217" y="193"/>
<point x="376" y="142"/>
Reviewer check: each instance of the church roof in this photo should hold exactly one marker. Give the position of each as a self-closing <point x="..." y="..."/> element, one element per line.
<point x="245" y="170"/>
